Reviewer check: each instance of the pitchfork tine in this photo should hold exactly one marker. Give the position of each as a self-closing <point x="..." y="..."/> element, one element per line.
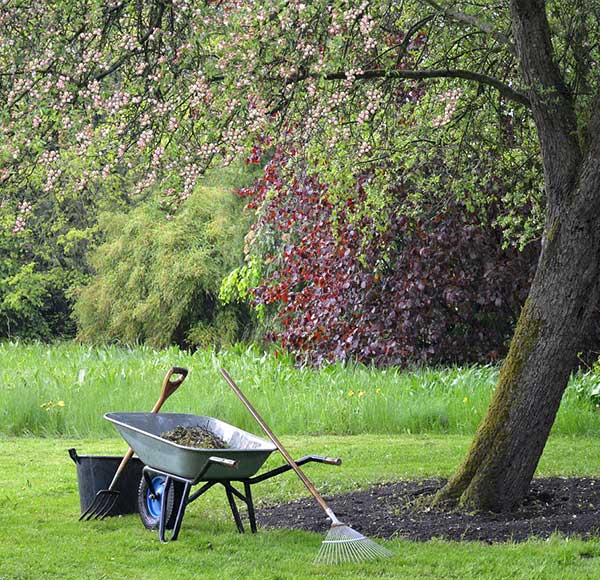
<point x="89" y="511"/>
<point x="96" y="508"/>
<point x="109" y="506"/>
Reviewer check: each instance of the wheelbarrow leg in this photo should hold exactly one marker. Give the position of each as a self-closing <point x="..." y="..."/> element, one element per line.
<point x="250" y="504"/>
<point x="233" y="506"/>
<point x="162" y="527"/>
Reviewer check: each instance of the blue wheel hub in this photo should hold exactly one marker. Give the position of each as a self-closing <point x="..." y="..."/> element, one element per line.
<point x="153" y="501"/>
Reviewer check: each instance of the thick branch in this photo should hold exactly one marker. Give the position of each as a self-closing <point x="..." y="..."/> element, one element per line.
<point x="504" y="89"/>
<point x="551" y="101"/>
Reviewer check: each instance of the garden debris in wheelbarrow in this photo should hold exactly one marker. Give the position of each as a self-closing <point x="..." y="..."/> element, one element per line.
<point x="194" y="437"/>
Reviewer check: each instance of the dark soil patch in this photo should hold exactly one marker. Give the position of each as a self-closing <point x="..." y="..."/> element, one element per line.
<point x="194" y="437"/>
<point x="568" y="506"/>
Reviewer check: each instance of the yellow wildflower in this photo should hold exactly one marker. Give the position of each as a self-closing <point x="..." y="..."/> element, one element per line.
<point x="60" y="403"/>
<point x="361" y="394"/>
<point x="351" y="393"/>
<point x="465" y="400"/>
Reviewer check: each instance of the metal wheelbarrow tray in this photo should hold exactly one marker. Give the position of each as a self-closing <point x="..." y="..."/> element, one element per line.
<point x="142" y="432"/>
<point x="172" y="469"/>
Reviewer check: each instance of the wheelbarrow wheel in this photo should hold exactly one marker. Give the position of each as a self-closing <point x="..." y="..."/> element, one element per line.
<point x="150" y="506"/>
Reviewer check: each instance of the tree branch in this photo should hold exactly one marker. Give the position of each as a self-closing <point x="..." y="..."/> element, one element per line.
<point x="153" y="24"/>
<point x="551" y="100"/>
<point x="483" y="79"/>
<point x="504" y="89"/>
<point x="471" y="21"/>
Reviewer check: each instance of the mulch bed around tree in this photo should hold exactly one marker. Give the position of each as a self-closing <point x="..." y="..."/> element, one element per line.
<point x="569" y="506"/>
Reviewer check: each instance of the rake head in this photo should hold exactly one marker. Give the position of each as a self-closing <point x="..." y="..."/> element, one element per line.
<point x="101" y="506"/>
<point x="343" y="544"/>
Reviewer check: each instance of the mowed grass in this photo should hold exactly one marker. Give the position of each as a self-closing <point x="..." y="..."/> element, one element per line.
<point x="411" y="424"/>
<point x="66" y="388"/>
<point x="41" y="539"/>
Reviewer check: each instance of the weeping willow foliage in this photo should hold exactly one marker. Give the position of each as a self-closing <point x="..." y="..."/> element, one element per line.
<point x="157" y="280"/>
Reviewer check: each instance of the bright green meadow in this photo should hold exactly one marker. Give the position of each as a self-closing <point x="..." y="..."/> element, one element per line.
<point x="65" y="389"/>
<point x="385" y="425"/>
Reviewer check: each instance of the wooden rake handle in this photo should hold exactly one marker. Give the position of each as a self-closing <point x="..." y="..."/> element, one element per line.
<point x="168" y="388"/>
<point x="279" y="446"/>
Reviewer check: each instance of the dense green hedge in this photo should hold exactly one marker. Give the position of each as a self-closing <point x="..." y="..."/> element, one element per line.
<point x="158" y="276"/>
<point x="43" y="246"/>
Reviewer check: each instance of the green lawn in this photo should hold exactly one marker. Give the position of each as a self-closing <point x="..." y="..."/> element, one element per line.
<point x="40" y="537"/>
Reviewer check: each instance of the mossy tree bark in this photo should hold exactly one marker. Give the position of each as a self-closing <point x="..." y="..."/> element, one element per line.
<point x="509" y="443"/>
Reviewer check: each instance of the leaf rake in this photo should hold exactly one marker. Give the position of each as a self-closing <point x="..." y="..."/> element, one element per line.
<point x="342" y="543"/>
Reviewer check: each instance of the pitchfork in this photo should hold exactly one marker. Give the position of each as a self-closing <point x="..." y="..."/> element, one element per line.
<point x="106" y="498"/>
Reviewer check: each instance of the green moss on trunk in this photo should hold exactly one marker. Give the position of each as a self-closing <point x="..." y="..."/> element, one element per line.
<point x="472" y="485"/>
<point x="524" y="341"/>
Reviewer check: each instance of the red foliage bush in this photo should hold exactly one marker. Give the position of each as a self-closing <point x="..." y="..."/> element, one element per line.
<point x="436" y="289"/>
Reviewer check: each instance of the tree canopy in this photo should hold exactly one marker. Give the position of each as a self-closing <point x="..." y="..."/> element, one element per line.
<point x="102" y="93"/>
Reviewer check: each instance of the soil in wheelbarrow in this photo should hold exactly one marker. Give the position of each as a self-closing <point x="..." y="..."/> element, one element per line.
<point x="194" y="437"/>
<point x="568" y="506"/>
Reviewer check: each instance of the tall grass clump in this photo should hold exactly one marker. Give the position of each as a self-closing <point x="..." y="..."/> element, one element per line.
<point x="66" y="388"/>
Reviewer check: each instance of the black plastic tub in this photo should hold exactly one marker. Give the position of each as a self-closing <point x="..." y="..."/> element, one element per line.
<point x="95" y="472"/>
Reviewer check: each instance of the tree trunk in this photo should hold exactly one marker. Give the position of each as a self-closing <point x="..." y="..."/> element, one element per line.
<point x="509" y="443"/>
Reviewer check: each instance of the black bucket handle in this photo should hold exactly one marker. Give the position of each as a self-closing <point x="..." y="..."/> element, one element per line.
<point x="73" y="455"/>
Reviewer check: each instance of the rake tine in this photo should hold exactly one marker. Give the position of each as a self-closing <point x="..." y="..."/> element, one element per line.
<point x="343" y="544"/>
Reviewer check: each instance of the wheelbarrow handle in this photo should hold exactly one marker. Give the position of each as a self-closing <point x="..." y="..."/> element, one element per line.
<point x="327" y="460"/>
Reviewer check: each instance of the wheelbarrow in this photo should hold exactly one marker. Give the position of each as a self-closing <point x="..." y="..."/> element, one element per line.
<point x="171" y="470"/>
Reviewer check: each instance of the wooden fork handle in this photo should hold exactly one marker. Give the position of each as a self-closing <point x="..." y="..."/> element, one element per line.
<point x="168" y="388"/>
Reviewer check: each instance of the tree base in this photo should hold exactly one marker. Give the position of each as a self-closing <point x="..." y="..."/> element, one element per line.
<point x="398" y="510"/>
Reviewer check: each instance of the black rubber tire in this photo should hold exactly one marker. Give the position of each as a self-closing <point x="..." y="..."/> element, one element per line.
<point x="151" y="521"/>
